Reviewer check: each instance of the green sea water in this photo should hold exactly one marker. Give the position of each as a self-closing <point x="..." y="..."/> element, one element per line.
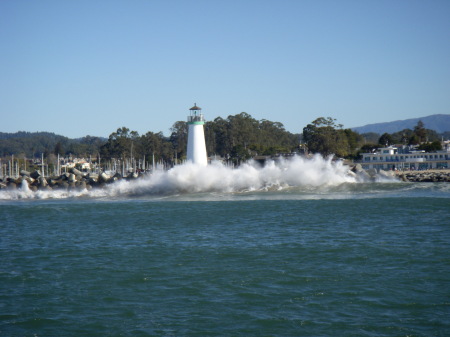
<point x="279" y="251"/>
<point x="247" y="266"/>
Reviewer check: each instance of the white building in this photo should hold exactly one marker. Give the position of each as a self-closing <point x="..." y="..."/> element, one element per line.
<point x="390" y="158"/>
<point x="196" y="147"/>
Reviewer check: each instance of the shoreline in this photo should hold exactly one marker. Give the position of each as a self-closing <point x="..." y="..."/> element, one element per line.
<point x="433" y="175"/>
<point x="75" y="179"/>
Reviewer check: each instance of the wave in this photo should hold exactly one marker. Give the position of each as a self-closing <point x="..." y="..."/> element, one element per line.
<point x="294" y="175"/>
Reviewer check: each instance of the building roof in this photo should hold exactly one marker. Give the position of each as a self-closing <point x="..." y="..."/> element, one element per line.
<point x="195" y="107"/>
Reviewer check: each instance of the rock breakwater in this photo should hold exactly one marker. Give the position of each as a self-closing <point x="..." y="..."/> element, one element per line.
<point x="433" y="176"/>
<point x="71" y="180"/>
<point x="406" y="176"/>
<point x="75" y="180"/>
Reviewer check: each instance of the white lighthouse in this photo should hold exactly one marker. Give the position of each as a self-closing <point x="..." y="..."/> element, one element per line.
<point x="196" y="147"/>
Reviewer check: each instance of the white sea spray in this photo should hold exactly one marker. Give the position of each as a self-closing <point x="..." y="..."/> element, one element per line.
<point x="297" y="171"/>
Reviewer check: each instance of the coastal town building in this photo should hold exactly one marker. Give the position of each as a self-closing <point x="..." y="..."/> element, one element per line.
<point x="406" y="158"/>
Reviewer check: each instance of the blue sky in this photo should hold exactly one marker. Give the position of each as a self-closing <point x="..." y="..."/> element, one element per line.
<point x="80" y="68"/>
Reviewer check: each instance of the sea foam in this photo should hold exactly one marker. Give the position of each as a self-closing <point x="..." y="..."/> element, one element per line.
<point x="216" y="177"/>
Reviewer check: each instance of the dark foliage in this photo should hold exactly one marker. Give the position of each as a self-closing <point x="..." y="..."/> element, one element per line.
<point x="33" y="144"/>
<point x="326" y="137"/>
<point x="236" y="138"/>
<point x="431" y="147"/>
<point x="410" y="137"/>
<point x="371" y="137"/>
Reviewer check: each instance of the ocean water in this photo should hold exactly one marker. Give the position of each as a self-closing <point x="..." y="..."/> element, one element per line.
<point x="292" y="249"/>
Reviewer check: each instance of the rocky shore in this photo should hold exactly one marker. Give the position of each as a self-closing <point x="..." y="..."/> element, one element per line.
<point x="74" y="179"/>
<point x="406" y="176"/>
<point x="77" y="180"/>
<point x="424" y="176"/>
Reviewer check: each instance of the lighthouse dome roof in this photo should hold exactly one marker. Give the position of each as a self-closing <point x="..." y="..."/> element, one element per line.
<point x="195" y="107"/>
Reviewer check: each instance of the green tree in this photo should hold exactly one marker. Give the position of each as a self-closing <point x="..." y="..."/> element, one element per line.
<point x="431" y="147"/>
<point x="368" y="148"/>
<point x="240" y="136"/>
<point x="179" y="137"/>
<point x="371" y="137"/>
<point x="354" y="140"/>
<point x="58" y="149"/>
<point x="414" y="140"/>
<point x="218" y="133"/>
<point x="120" y="144"/>
<point x="158" y="145"/>
<point x="420" y="131"/>
<point x="239" y="154"/>
<point x="242" y="129"/>
<point x="386" y="139"/>
<point x="322" y="136"/>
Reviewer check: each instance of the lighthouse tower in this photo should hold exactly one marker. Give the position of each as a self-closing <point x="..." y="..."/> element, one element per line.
<point x="196" y="147"/>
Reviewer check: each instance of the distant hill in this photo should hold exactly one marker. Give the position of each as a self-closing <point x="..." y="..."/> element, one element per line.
<point x="439" y="123"/>
<point x="32" y="144"/>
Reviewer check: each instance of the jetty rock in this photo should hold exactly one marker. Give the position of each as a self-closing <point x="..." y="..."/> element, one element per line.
<point x="360" y="172"/>
<point x="78" y="173"/>
<point x="35" y="174"/>
<point x="103" y="177"/>
<point x="425" y="176"/>
<point x="24" y="173"/>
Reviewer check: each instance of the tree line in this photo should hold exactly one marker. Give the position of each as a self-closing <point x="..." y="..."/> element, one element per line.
<point x="326" y="137"/>
<point x="235" y="138"/>
<point x="425" y="139"/>
<point x="34" y="144"/>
